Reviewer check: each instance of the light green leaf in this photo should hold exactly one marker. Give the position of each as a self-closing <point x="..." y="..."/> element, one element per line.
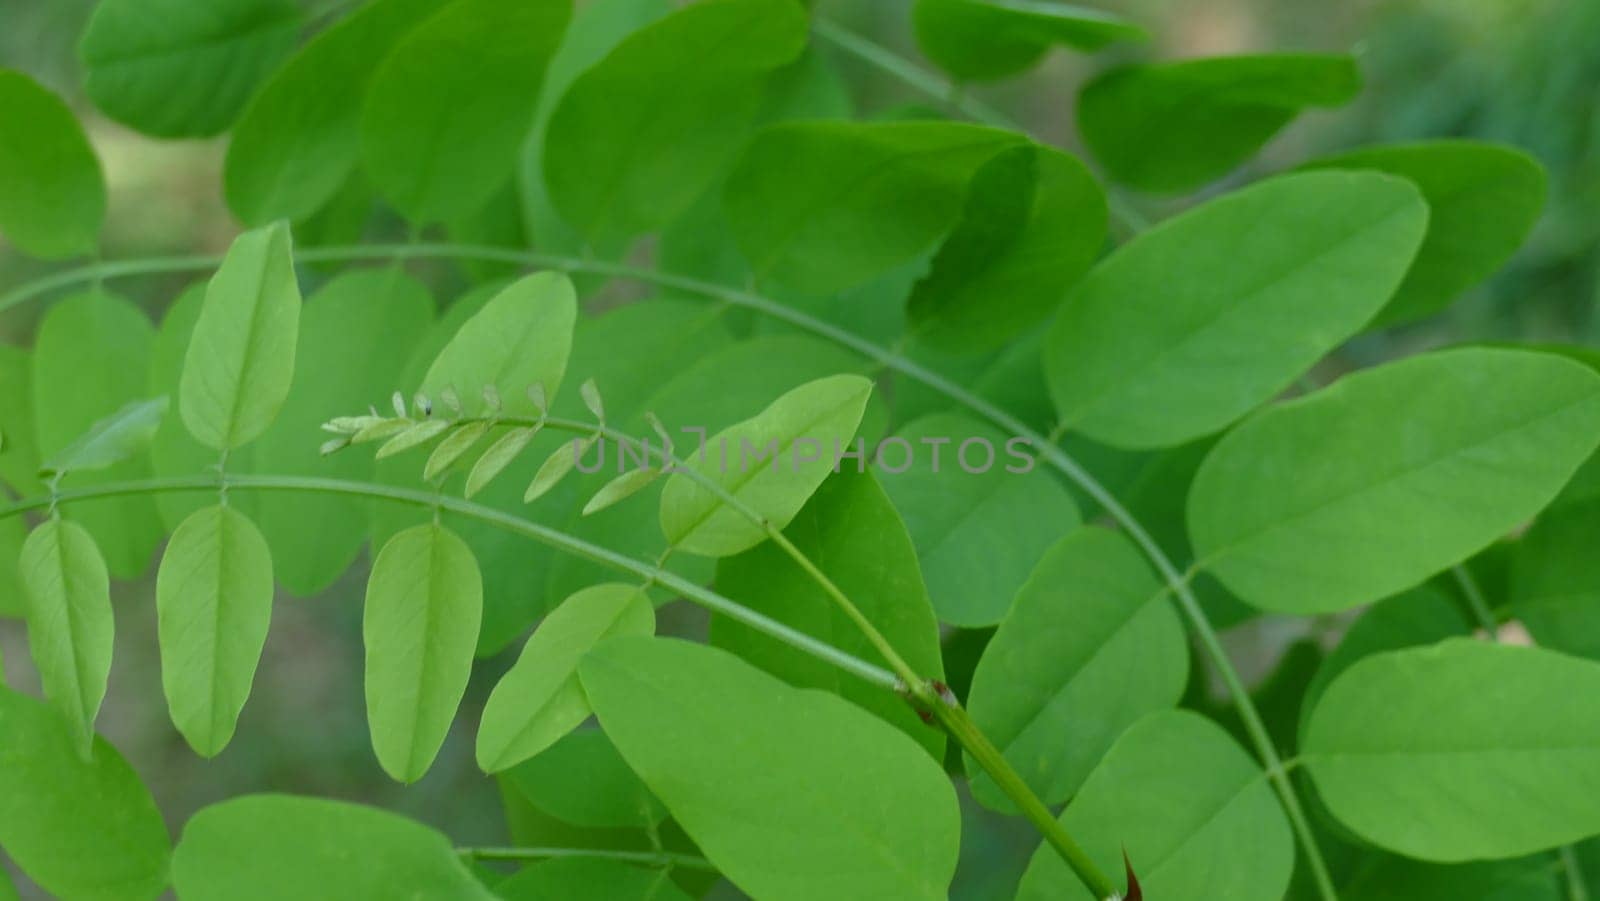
<point x="1174" y="126"/>
<point x="173" y="451"/>
<point x="539" y="698"/>
<point x="453" y="448"/>
<point x="1555" y="580"/>
<point x="1390" y="475"/>
<point x="270" y="847"/>
<point x="645" y="131"/>
<point x="88" y="361"/>
<point x="1460" y="751"/>
<point x="240" y="362"/>
<point x="433" y="155"/>
<point x="498" y="457"/>
<point x="70" y="624"/>
<point x="80" y="827"/>
<point x="854" y="536"/>
<point x="1033" y="222"/>
<point x="791" y="793"/>
<point x="865" y="197"/>
<point x="1199" y="320"/>
<point x="555" y="467"/>
<point x="424" y="603"/>
<point x="581" y="779"/>
<point x="214" y="603"/>
<point x="300" y="137"/>
<point x="175" y="69"/>
<point x="978" y="533"/>
<point x="522" y="337"/>
<point x="1195" y="815"/>
<point x="1483" y="200"/>
<point x="1090" y="645"/>
<point x="620" y="489"/>
<point x="52" y="196"/>
<point x="982" y="40"/>
<point x="562" y="879"/>
<point x="110" y="440"/>
<point x="771" y="463"/>
<point x="415" y="434"/>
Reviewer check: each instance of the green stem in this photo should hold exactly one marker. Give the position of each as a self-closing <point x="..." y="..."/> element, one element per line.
<point x="661" y="859"/>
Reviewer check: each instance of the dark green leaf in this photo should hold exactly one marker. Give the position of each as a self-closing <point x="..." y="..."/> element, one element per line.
<point x="980" y="40"/>
<point x="581" y="779"/>
<point x="52" y="196"/>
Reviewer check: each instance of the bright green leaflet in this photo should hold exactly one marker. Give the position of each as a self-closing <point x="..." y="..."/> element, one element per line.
<point x="771" y="463"/>
<point x="866" y="197"/>
<point x="581" y="779"/>
<point x="1314" y="505"/>
<point x="175" y="452"/>
<point x="1555" y="580"/>
<point x="52" y="196"/>
<point x="853" y="534"/>
<point x="645" y="131"/>
<point x="1204" y="317"/>
<point x="539" y="700"/>
<point x="1090" y="645"/>
<point x="111" y="440"/>
<point x="1460" y="751"/>
<point x="80" y="828"/>
<point x="983" y="40"/>
<point x="1174" y="126"/>
<point x="978" y="534"/>
<point x="19" y="453"/>
<point x="177" y="69"/>
<point x="87" y="357"/>
<point x="270" y="847"/>
<point x="424" y="603"/>
<point x="793" y="794"/>
<point x="448" y="108"/>
<point x="1194" y="813"/>
<point x="356" y="332"/>
<point x="1034" y="221"/>
<point x="579" y="877"/>
<point x="67" y="595"/>
<point x="1483" y="200"/>
<point x="214" y="604"/>
<point x="300" y="137"/>
<point x="240" y="362"/>
<point x="521" y="338"/>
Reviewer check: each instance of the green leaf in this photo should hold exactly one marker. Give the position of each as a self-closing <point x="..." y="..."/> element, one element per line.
<point x="80" y="827"/>
<point x="240" y="362"/>
<point x="522" y="337"/>
<point x="1195" y="815"/>
<point x="175" y="69"/>
<point x="581" y="779"/>
<point x="1174" y="126"/>
<point x="268" y="847"/>
<point x="88" y="361"/>
<point x="1033" y="222"/>
<point x="13" y="604"/>
<point x="1399" y="879"/>
<point x="771" y="463"/>
<point x="110" y="440"/>
<point x="1090" y="645"/>
<point x="1318" y="505"/>
<point x="983" y="40"/>
<point x="854" y="536"/>
<point x="865" y="197"/>
<point x="432" y="155"/>
<point x="453" y="448"/>
<point x="173" y="451"/>
<point x="1199" y="320"/>
<point x="52" y="196"/>
<point x="565" y="878"/>
<point x="70" y="624"/>
<point x="620" y="489"/>
<point x="645" y="131"/>
<point x="1483" y="200"/>
<point x="300" y="137"/>
<point x="1460" y="751"/>
<point x="497" y="458"/>
<point x="214" y="601"/>
<point x="978" y="534"/>
<point x="424" y="603"/>
<point x="413" y="435"/>
<point x="791" y="793"/>
<point x="19" y="451"/>
<point x="539" y="699"/>
<point x="1555" y="580"/>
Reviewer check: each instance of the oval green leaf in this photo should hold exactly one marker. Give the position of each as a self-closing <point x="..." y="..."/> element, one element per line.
<point x="1390" y="475"/>
<point x="214" y="604"/>
<point x="791" y="793"/>
<point x="52" y="195"/>
<point x="983" y="40"/>
<point x="67" y="595"/>
<point x="424" y="603"/>
<point x="539" y="699"/>
<point x="522" y="337"/>
<point x="1209" y="314"/>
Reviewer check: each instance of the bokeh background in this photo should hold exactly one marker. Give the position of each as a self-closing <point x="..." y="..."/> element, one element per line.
<point x="1523" y="72"/>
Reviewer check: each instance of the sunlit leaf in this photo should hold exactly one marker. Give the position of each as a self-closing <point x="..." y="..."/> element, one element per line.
<point x="67" y="596"/>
